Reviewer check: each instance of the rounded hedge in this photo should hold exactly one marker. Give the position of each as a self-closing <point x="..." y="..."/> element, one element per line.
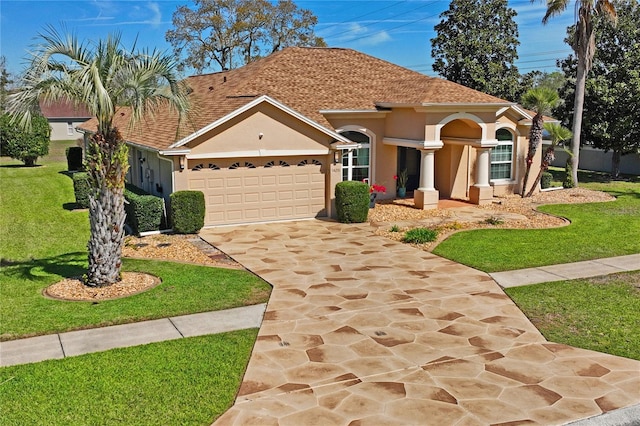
<point x="187" y="211"/>
<point x="352" y="202"/>
<point x="81" y="189"/>
<point x="545" y="180"/>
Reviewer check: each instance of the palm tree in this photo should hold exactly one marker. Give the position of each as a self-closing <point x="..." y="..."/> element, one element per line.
<point x="109" y="81"/>
<point x="584" y="46"/>
<point x="541" y="100"/>
<point x="558" y="134"/>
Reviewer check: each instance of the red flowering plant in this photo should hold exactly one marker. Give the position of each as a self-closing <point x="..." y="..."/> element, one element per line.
<point x="375" y="188"/>
<point x="401" y="179"/>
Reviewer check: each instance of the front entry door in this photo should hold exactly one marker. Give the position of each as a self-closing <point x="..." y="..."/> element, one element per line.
<point x="409" y="158"/>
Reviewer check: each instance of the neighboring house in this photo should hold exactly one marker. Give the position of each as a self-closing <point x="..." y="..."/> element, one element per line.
<point x="63" y="118"/>
<point x="270" y="140"/>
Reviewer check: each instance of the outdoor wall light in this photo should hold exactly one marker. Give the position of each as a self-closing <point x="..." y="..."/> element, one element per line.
<point x="337" y="156"/>
<point x="182" y="161"/>
<point x="260" y="135"/>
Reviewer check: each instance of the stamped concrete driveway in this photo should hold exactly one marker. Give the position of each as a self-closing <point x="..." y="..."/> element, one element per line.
<point x="361" y="330"/>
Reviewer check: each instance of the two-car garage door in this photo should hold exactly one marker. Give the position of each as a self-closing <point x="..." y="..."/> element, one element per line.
<point x="259" y="190"/>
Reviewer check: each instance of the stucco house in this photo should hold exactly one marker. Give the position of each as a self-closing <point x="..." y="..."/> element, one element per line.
<point x="64" y="117"/>
<point x="269" y="141"/>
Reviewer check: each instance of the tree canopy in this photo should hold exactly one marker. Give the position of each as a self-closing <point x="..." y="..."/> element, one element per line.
<point x="224" y="34"/>
<point x="24" y="145"/>
<point x="611" y="109"/>
<point x="476" y="46"/>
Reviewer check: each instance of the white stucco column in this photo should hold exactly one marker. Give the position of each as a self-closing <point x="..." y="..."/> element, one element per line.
<point x="426" y="196"/>
<point x="427" y="169"/>
<point x="482" y="192"/>
<point x="483" y="164"/>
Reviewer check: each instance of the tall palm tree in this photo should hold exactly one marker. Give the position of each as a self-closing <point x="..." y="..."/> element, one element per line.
<point x="558" y="134"/>
<point x="541" y="100"/>
<point x="584" y="46"/>
<point x="109" y="81"/>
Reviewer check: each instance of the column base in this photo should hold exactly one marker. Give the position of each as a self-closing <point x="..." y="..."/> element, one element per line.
<point x="481" y="195"/>
<point x="426" y="199"/>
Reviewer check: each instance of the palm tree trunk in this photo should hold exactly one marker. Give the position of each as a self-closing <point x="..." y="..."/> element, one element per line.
<point x="615" y="164"/>
<point x="549" y="156"/>
<point x="581" y="78"/>
<point x="107" y="216"/>
<point x="107" y="166"/>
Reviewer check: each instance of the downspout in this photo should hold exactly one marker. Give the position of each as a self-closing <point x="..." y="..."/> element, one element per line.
<point x="164" y="202"/>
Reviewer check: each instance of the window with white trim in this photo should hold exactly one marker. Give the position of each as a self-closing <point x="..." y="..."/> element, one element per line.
<point x="355" y="162"/>
<point x="502" y="156"/>
<point x="69" y="128"/>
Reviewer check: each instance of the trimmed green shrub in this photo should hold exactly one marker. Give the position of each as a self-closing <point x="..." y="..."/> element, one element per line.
<point x="568" y="178"/>
<point x="352" y="202"/>
<point x="545" y="180"/>
<point x="81" y="189"/>
<point x="420" y="235"/>
<point x="74" y="158"/>
<point x="144" y="211"/>
<point x="187" y="211"/>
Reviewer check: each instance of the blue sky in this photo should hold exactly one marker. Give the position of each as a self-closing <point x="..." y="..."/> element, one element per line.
<point x="398" y="31"/>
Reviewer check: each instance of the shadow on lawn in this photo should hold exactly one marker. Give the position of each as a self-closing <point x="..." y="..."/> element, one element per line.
<point x="66" y="265"/>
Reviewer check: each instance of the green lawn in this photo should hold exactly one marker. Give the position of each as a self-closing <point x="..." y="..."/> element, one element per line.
<point x="42" y="241"/>
<point x="601" y="314"/>
<point x="597" y="230"/>
<point x="181" y="382"/>
<point x="186" y="381"/>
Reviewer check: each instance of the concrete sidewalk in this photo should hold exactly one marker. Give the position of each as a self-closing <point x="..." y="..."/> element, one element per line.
<point x="57" y="346"/>
<point x="567" y="271"/>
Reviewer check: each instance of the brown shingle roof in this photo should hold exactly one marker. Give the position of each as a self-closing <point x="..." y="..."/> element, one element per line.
<point x="63" y="109"/>
<point x="307" y="80"/>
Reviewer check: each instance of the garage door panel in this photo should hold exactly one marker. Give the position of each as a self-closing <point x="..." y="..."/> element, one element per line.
<point x="233" y="182"/>
<point x="247" y="194"/>
<point x="252" y="181"/>
<point x="269" y="196"/>
<point x="234" y="198"/>
<point x="215" y="183"/>
<point x="196" y="184"/>
<point x="252" y="197"/>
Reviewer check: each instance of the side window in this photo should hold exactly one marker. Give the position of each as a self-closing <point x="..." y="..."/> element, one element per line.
<point x="502" y="156"/>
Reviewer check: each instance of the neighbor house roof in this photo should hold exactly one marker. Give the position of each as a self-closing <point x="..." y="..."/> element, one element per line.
<point x="63" y="109"/>
<point x="308" y="81"/>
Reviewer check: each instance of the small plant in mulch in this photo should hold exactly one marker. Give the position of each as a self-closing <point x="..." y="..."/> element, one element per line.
<point x="395" y="228"/>
<point x="420" y="235"/>
<point x="493" y="221"/>
<point x="453" y="226"/>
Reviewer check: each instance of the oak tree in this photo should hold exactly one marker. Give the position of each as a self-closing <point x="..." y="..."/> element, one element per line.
<point x="225" y="34"/>
<point x="476" y="46"/>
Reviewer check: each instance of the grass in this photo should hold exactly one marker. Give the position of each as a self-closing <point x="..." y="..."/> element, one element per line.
<point x="43" y="241"/>
<point x="597" y="230"/>
<point x="185" y="289"/>
<point x="188" y="381"/>
<point x="185" y="381"/>
<point x="601" y="314"/>
<point x="36" y="216"/>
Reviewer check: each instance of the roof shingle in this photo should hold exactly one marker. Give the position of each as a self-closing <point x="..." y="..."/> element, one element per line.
<point x="308" y="80"/>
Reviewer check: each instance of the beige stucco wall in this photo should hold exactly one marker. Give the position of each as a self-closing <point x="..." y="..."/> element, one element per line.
<point x="280" y="131"/>
<point x="59" y="129"/>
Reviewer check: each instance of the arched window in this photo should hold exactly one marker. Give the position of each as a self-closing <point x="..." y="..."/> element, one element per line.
<point x="502" y="156"/>
<point x="355" y="162"/>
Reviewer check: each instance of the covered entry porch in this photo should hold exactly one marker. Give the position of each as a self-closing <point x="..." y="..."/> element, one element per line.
<point x="455" y="164"/>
